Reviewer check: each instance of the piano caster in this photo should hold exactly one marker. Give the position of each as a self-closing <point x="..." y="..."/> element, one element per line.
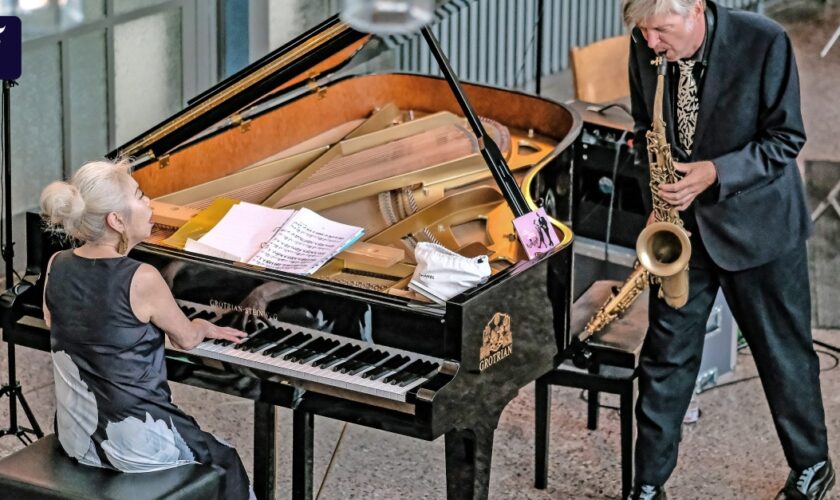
<point x="468" y="455"/>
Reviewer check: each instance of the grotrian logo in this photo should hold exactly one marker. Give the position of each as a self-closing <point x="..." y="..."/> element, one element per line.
<point x="496" y="341"/>
<point x="10" y="47"/>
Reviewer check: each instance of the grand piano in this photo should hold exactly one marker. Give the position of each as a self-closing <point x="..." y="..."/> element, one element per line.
<point x="393" y="154"/>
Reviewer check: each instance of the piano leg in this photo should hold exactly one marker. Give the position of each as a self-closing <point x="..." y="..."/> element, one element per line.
<point x="303" y="434"/>
<point x="468" y="455"/>
<point x="265" y="436"/>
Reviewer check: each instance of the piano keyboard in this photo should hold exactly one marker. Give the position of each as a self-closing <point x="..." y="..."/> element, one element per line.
<point x="317" y="357"/>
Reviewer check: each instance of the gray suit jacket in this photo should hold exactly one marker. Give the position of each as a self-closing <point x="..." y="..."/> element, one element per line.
<point x="750" y="126"/>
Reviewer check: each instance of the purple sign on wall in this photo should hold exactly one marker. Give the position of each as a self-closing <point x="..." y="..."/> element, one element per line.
<point x="10" y="47"/>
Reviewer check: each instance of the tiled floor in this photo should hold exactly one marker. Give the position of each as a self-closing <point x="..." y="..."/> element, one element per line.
<point x="731" y="453"/>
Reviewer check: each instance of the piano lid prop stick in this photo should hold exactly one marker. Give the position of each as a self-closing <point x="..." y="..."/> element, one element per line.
<point x="533" y="229"/>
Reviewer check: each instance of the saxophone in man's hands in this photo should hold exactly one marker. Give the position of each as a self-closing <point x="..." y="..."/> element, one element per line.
<point x="663" y="247"/>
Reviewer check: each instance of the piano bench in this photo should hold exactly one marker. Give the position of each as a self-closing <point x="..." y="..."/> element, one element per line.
<point x="612" y="369"/>
<point x="43" y="471"/>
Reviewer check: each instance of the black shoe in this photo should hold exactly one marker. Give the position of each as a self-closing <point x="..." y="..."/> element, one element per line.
<point x="810" y="484"/>
<point x="648" y="492"/>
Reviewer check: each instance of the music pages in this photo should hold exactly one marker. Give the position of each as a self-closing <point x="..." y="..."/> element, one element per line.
<point x="294" y="241"/>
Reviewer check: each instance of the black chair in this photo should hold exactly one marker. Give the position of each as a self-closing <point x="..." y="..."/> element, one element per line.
<point x="611" y="369"/>
<point x="43" y="471"/>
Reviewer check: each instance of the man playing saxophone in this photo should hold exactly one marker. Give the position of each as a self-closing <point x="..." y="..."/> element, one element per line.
<point x="731" y="105"/>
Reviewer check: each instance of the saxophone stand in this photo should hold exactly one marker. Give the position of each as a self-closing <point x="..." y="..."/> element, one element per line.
<point x="12" y="389"/>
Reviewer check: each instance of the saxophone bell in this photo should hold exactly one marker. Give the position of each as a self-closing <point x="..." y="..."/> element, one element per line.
<point x="664" y="249"/>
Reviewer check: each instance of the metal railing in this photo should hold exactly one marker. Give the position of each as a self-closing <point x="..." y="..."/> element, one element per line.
<point x="493" y="41"/>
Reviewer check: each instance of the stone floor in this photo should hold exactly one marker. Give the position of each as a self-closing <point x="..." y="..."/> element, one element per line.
<point x="730" y="453"/>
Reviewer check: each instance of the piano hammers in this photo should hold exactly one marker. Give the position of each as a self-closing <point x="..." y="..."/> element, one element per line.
<point x="166" y="214"/>
<point x="372" y="254"/>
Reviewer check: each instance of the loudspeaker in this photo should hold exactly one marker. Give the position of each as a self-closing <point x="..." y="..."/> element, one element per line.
<point x="604" y="168"/>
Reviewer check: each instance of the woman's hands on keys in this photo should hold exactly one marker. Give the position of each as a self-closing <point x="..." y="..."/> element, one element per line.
<point x="212" y="331"/>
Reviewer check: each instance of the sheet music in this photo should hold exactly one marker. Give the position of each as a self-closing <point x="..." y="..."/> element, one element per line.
<point x="305" y="243"/>
<point x="196" y="246"/>
<point x="243" y="230"/>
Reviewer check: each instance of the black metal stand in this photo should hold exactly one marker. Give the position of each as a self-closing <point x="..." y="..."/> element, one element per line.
<point x="538" y="72"/>
<point x="489" y="150"/>
<point x="12" y="389"/>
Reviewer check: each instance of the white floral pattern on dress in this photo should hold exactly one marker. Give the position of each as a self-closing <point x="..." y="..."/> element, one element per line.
<point x="137" y="446"/>
<point x="185" y="452"/>
<point x="76" y="411"/>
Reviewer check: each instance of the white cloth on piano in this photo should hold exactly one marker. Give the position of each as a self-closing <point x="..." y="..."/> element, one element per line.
<point x="442" y="274"/>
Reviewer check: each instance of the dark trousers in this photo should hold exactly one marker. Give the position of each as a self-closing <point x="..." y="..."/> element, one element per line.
<point x="772" y="306"/>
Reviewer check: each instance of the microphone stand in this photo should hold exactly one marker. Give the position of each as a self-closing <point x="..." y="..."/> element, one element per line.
<point x="12" y="389"/>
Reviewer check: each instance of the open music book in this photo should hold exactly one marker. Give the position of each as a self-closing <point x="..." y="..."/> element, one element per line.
<point x="295" y="241"/>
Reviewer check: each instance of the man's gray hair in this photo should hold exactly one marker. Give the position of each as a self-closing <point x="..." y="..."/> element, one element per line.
<point x="638" y="10"/>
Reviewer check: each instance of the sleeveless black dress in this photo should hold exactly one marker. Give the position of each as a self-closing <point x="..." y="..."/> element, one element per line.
<point x="113" y="403"/>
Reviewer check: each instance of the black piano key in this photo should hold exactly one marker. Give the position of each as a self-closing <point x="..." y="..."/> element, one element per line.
<point x="352" y="362"/>
<point x="365" y="363"/>
<point x="265" y="338"/>
<point x="307" y="359"/>
<point x="371" y="360"/>
<point x="396" y="378"/>
<point x="379" y="356"/>
<point x="259" y="339"/>
<point x="358" y="367"/>
<point x="292" y="342"/>
<point x="422" y="367"/>
<point x="251" y="340"/>
<point x="413" y="371"/>
<point x="337" y="356"/>
<point x="410" y="369"/>
<point x="409" y="378"/>
<point x="315" y="348"/>
<point x="303" y="351"/>
<point x="318" y="346"/>
<point x="390" y="364"/>
<point x="273" y="336"/>
<point x="287" y="339"/>
<point x="187" y="310"/>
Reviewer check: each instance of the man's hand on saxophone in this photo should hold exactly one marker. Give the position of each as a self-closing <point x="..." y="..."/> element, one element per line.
<point x="697" y="177"/>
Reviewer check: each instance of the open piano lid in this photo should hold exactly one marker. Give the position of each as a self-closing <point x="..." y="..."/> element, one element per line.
<point x="319" y="50"/>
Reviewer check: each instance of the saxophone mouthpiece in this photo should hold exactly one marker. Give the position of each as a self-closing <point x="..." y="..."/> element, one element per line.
<point x="662" y="64"/>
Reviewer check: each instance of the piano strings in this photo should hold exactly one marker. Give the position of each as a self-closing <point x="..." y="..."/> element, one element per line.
<point x="404" y="176"/>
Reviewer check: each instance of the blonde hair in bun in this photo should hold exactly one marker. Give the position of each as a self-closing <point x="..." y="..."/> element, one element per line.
<point x="80" y="206"/>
